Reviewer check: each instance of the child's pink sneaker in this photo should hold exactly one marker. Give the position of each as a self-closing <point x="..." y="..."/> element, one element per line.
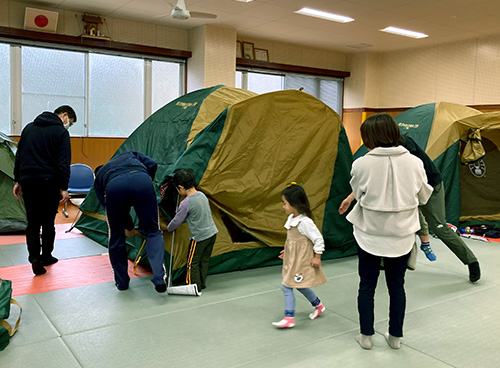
<point x="320" y="308"/>
<point x="286" y="322"/>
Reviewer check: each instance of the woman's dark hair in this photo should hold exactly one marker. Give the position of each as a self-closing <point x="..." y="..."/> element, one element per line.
<point x="297" y="197"/>
<point x="380" y="130"/>
<point x="185" y="178"/>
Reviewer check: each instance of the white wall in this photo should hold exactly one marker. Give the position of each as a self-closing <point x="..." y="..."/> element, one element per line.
<point x="285" y="53"/>
<point x="466" y="72"/>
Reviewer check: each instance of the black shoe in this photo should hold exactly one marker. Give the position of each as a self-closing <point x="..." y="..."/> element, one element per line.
<point x="121" y="288"/>
<point x="38" y="268"/>
<point x="49" y="261"/>
<point x="474" y="272"/>
<point x="161" y="288"/>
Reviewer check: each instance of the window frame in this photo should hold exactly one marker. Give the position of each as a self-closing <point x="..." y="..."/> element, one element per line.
<point x="265" y="67"/>
<point x="317" y="79"/>
<point x="147" y="54"/>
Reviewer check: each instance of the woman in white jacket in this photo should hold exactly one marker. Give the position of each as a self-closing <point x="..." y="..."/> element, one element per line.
<point x="388" y="184"/>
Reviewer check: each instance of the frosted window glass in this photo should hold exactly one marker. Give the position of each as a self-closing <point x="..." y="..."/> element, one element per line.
<point x="116" y="95"/>
<point x="165" y="82"/>
<point x="5" y="88"/>
<point x="238" y="81"/>
<point x="308" y="84"/>
<point x="327" y="89"/>
<point x="263" y="83"/>
<point x="51" y="78"/>
<point x="331" y="94"/>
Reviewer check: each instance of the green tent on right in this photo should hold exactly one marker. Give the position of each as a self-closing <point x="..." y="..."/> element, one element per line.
<point x="464" y="143"/>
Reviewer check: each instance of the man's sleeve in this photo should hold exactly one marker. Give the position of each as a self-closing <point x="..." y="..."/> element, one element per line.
<point x="64" y="161"/>
<point x="17" y="161"/>
<point x="100" y="195"/>
<point x="151" y="165"/>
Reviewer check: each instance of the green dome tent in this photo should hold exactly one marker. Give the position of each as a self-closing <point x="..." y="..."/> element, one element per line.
<point x="242" y="158"/>
<point x="465" y="146"/>
<point x="12" y="211"/>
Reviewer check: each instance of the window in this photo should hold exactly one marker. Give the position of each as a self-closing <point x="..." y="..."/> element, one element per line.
<point x="51" y="78"/>
<point x="263" y="83"/>
<point x="239" y="80"/>
<point x="166" y="83"/>
<point x="112" y="95"/>
<point x="326" y="89"/>
<point x="5" y="118"/>
<point x="116" y="95"/>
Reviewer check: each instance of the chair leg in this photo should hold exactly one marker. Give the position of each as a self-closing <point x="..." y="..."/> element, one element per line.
<point x="65" y="209"/>
<point x="74" y="221"/>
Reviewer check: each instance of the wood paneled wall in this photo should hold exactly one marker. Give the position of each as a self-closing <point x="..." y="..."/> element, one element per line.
<point x="353" y="118"/>
<point x="93" y="151"/>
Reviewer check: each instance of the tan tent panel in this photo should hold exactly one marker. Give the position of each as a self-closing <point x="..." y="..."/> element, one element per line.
<point x="284" y="135"/>
<point x="214" y="104"/>
<point x="444" y="132"/>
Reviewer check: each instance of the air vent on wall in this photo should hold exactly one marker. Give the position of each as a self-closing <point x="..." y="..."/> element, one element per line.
<point x="360" y="46"/>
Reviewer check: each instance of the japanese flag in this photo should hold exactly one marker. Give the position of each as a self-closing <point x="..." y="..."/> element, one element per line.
<point x="40" y="20"/>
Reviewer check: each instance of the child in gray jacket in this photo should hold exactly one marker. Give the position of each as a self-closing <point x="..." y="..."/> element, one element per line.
<point x="195" y="211"/>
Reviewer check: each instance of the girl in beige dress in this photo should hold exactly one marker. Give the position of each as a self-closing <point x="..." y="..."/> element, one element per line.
<point x="301" y="256"/>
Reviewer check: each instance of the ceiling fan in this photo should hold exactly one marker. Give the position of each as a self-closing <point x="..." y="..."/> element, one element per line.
<point x="180" y="12"/>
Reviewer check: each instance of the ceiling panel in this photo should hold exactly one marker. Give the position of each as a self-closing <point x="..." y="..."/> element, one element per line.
<point x="443" y="20"/>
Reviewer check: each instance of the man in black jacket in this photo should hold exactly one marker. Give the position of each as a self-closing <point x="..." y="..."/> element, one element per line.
<point x="41" y="172"/>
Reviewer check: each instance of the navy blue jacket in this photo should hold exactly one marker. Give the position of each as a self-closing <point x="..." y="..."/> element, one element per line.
<point x="432" y="172"/>
<point x="123" y="163"/>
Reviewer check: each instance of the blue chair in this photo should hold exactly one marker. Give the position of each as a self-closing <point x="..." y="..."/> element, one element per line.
<point x="81" y="180"/>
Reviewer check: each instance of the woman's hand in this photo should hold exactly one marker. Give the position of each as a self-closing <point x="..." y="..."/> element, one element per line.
<point x="346" y="203"/>
<point x="282" y="254"/>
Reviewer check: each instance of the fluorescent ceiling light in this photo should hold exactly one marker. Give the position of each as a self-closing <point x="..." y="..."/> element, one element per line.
<point x="324" y="15"/>
<point x="244" y="1"/>
<point x="404" y="32"/>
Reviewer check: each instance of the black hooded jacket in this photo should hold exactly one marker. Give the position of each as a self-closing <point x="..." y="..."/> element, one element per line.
<point x="44" y="151"/>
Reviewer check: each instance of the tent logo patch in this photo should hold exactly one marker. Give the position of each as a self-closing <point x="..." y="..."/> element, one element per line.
<point x="185" y="105"/>
<point x="478" y="169"/>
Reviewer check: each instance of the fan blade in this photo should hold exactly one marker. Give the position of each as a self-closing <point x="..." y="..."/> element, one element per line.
<point x="202" y="15"/>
